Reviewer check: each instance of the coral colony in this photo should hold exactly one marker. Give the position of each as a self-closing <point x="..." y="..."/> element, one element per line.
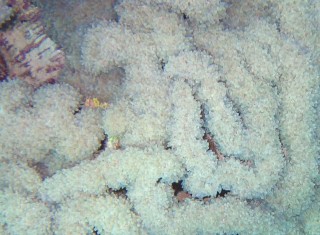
<point x="170" y="117"/>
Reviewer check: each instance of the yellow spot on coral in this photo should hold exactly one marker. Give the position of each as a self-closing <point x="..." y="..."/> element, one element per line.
<point x="95" y="103"/>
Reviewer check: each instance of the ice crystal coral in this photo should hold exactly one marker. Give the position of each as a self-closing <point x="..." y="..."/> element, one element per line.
<point x="225" y="110"/>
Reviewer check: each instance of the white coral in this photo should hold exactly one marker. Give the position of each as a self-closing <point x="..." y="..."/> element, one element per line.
<point x="252" y="90"/>
<point x="42" y="123"/>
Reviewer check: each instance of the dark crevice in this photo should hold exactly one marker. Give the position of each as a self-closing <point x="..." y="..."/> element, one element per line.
<point x="103" y="143"/>
<point x="277" y="117"/>
<point x="223" y="193"/>
<point x="162" y="64"/>
<point x="177" y="187"/>
<point x="212" y="145"/>
<point x="237" y="109"/>
<point x="77" y="111"/>
<point x="185" y="17"/>
<point x="246" y="65"/>
<point x="102" y="147"/>
<point x="278" y="25"/>
<point x="95" y="231"/>
<point x="167" y="146"/>
<point x="9" y="23"/>
<point x="181" y="194"/>
<point x="42" y="169"/>
<point x="119" y="193"/>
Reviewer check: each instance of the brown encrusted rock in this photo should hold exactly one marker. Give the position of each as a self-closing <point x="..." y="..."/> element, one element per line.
<point x="28" y="52"/>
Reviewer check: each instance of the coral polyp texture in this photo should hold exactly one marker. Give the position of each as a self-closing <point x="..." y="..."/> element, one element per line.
<point x="215" y="130"/>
